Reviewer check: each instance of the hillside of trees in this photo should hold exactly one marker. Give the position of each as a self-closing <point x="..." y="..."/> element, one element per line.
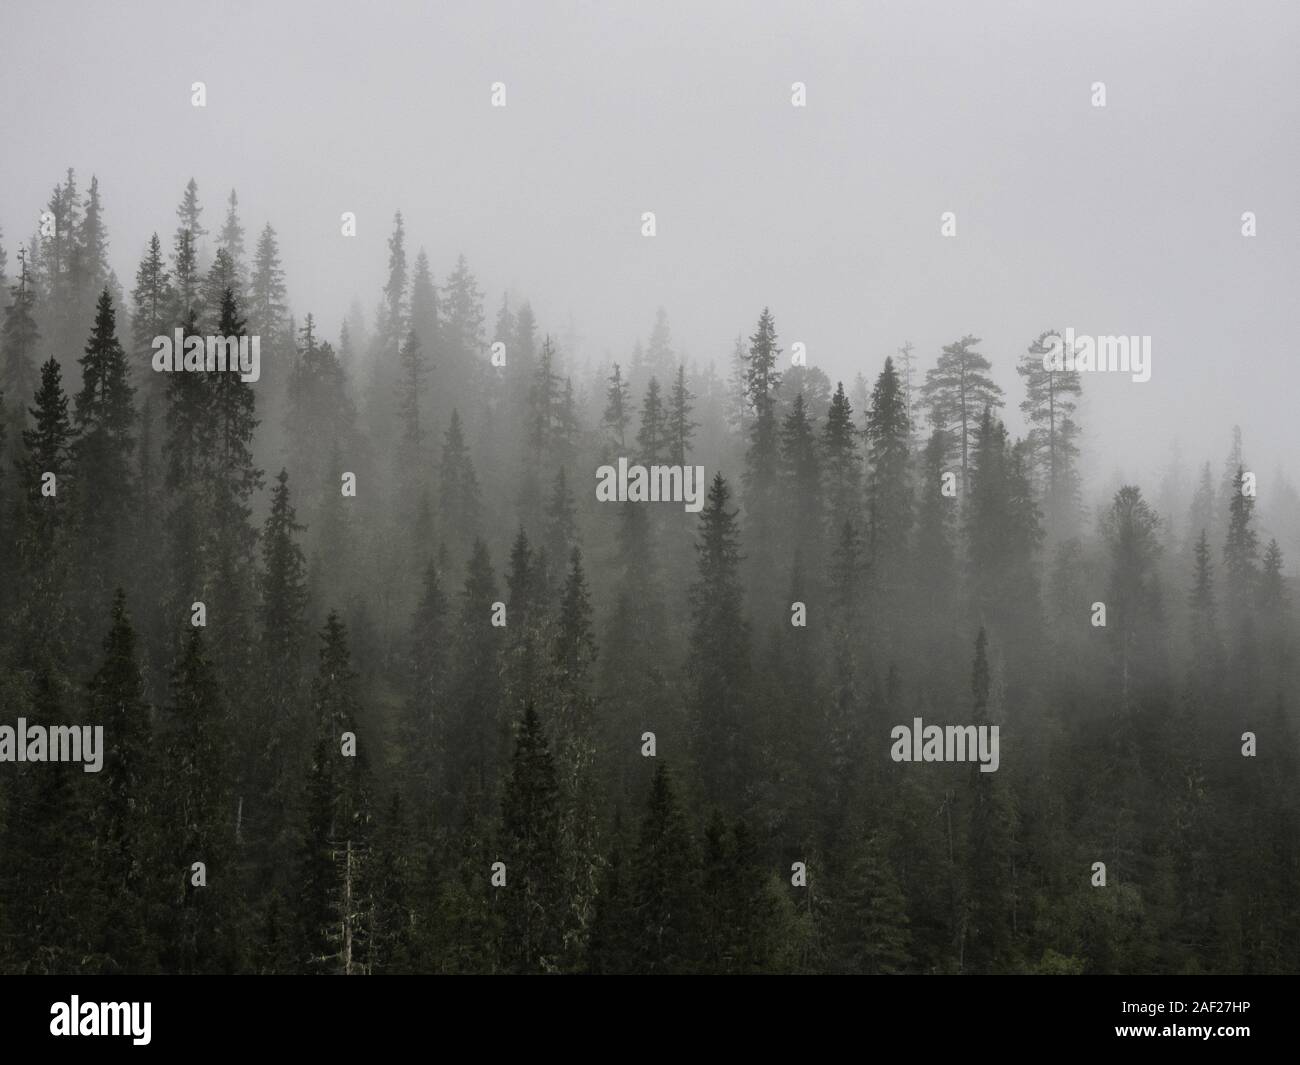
<point x="365" y="644"/>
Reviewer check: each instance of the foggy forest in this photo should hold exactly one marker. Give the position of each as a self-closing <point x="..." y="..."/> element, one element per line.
<point x="441" y="628"/>
<point x="605" y="736"/>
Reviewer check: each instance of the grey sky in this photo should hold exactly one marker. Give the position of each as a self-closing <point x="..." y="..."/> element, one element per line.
<point x="1116" y="220"/>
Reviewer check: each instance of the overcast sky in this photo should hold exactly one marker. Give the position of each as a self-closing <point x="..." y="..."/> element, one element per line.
<point x="1121" y="220"/>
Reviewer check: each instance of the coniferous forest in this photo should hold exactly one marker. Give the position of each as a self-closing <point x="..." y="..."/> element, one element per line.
<point x="437" y="639"/>
<point x="365" y="645"/>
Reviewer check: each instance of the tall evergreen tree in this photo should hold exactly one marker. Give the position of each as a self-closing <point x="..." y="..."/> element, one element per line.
<point x="841" y="462"/>
<point x="617" y="410"/>
<point x="18" y="338"/>
<point x="719" y="662"/>
<point x="665" y="891"/>
<point x="956" y="392"/>
<point x="652" y="439"/>
<point x="530" y="825"/>
<point x="681" y="430"/>
<point x="458" y="490"/>
<point x="125" y="814"/>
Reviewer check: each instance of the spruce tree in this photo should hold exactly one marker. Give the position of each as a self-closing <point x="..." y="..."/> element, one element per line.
<point x="1134" y="603"/>
<point x="1240" y="553"/>
<point x="185" y="280"/>
<point x="201" y="828"/>
<point x="718" y="663"/>
<point x="394" y="328"/>
<point x="561" y="521"/>
<point x="617" y="414"/>
<point x="763" y="455"/>
<point x="189" y="212"/>
<point x="681" y="429"/>
<point x="92" y="269"/>
<point x="458" y="491"/>
<point x="665" y="885"/>
<point x="125" y="816"/>
<point x="18" y="338"/>
<point x="150" y="302"/>
<point x="231" y="241"/>
<point x="888" y="472"/>
<point x="335" y="909"/>
<point x="267" y="309"/>
<point x="841" y="463"/>
<point x="988" y="944"/>
<point x="530" y="825"/>
<point x="872" y="930"/>
<point x="105" y="420"/>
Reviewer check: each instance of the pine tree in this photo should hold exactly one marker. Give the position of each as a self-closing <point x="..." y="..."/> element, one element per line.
<point x="956" y="392"/>
<point x="1051" y="396"/>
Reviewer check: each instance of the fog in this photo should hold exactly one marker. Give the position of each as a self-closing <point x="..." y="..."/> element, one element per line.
<point x="1123" y="219"/>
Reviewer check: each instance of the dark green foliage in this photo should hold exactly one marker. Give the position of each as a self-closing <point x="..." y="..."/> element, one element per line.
<point x="348" y="807"/>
